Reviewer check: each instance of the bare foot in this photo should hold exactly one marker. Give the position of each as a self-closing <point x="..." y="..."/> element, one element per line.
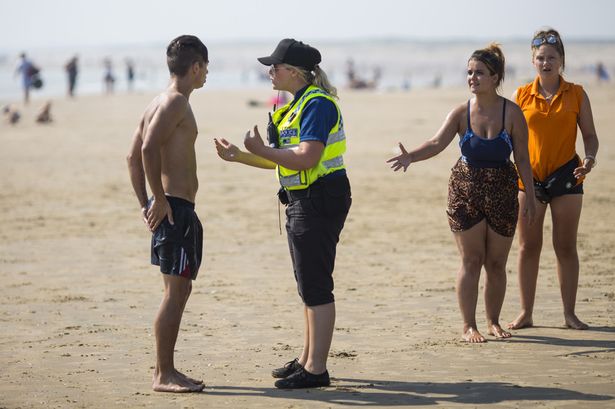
<point x="472" y="335"/>
<point x="497" y="331"/>
<point x="181" y="375"/>
<point x="176" y="383"/>
<point x="189" y="379"/>
<point x="574" y="323"/>
<point x="523" y="321"/>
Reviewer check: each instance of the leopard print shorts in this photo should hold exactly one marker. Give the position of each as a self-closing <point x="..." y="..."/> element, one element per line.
<point x="475" y="194"/>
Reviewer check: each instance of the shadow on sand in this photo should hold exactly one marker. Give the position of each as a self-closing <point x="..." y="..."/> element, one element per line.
<point x="365" y="392"/>
<point x="593" y="345"/>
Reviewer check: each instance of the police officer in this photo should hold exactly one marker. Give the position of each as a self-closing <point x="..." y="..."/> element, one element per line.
<point x="306" y="153"/>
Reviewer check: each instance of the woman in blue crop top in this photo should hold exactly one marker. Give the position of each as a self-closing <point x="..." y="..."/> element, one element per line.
<point x="482" y="195"/>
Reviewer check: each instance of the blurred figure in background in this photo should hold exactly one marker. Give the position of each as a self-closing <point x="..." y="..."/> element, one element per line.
<point x="71" y="72"/>
<point x="27" y="70"/>
<point x="601" y="73"/>
<point x="44" y="114"/>
<point x="109" y="78"/>
<point x="130" y="74"/>
<point x="355" y="82"/>
<point x="11" y="114"/>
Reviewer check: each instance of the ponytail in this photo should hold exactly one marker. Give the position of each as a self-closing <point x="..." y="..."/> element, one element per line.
<point x="318" y="78"/>
<point x="322" y="81"/>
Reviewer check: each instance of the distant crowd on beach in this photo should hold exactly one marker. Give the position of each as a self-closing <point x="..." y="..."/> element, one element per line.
<point x="358" y="74"/>
<point x="32" y="80"/>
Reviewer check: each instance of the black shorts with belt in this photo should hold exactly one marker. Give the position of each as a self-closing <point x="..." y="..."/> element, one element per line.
<point x="314" y="220"/>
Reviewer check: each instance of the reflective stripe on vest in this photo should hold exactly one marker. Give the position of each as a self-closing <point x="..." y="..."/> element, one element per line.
<point x="288" y="123"/>
<point x="289" y="181"/>
<point x="333" y="163"/>
<point x="333" y="138"/>
<point x="336" y="137"/>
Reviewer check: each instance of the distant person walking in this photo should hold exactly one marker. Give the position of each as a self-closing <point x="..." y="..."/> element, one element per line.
<point x="72" y="70"/>
<point x="602" y="75"/>
<point x="554" y="108"/>
<point x="130" y="74"/>
<point x="482" y="191"/>
<point x="109" y="77"/>
<point x="27" y="70"/>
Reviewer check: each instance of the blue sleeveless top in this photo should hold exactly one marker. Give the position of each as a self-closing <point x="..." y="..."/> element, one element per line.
<point x="481" y="152"/>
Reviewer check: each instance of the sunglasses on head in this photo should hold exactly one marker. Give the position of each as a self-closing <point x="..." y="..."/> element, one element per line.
<point x="548" y="39"/>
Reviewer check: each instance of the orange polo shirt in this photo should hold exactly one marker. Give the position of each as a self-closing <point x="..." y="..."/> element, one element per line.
<point x="552" y="127"/>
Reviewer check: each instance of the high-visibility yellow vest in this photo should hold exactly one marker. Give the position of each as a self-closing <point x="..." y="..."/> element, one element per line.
<point x="288" y="123"/>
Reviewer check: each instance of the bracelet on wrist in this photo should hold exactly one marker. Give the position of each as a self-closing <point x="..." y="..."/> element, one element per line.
<point x="592" y="158"/>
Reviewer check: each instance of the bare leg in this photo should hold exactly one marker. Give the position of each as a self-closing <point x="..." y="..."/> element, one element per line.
<point x="530" y="246"/>
<point x="471" y="245"/>
<point x="166" y="328"/>
<point x="306" y="339"/>
<point x="180" y="374"/>
<point x="496" y="257"/>
<point x="321" y="322"/>
<point x="566" y="212"/>
<point x="193" y="380"/>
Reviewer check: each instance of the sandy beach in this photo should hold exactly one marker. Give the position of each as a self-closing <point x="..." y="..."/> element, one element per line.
<point x="79" y="296"/>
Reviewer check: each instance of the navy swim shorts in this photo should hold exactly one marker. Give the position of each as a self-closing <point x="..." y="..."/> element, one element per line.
<point x="178" y="248"/>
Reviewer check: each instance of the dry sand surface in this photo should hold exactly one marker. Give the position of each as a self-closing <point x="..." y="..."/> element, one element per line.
<point x="79" y="296"/>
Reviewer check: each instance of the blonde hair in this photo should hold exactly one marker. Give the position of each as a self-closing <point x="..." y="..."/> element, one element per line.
<point x="493" y="57"/>
<point x="318" y="78"/>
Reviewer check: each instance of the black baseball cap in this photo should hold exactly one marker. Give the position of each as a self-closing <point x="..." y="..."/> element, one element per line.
<point x="292" y="52"/>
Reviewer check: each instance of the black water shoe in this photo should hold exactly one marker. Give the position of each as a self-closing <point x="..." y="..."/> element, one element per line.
<point x="303" y="379"/>
<point x="289" y="368"/>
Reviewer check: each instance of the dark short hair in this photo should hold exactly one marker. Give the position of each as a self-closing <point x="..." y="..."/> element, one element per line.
<point x="493" y="58"/>
<point x="184" y="51"/>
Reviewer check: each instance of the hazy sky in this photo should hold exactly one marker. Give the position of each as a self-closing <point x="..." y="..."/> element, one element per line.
<point x="42" y="23"/>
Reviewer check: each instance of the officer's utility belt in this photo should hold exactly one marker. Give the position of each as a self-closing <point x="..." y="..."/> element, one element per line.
<point x="313" y="190"/>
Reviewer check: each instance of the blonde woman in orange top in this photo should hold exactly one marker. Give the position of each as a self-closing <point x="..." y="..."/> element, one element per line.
<point x="553" y="108"/>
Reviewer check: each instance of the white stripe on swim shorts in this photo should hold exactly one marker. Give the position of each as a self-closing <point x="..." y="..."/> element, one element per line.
<point x="182" y="260"/>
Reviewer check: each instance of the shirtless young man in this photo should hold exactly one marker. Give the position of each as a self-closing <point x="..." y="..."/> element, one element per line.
<point x="162" y="152"/>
